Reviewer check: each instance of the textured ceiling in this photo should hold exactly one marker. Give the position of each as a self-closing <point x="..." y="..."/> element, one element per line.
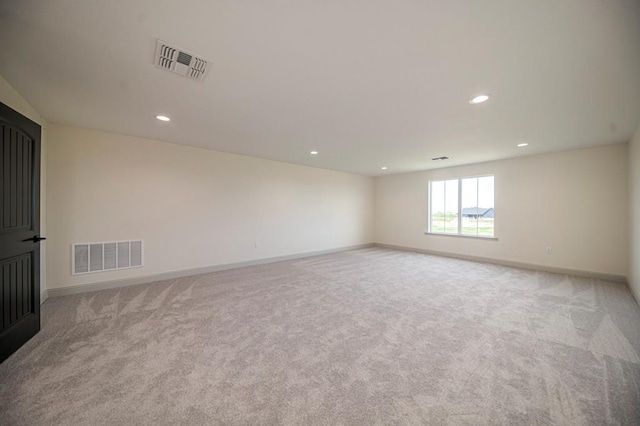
<point x="366" y="83"/>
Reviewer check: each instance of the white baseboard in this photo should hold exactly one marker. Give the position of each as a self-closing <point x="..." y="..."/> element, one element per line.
<point x="634" y="293"/>
<point x="531" y="266"/>
<point x="105" y="285"/>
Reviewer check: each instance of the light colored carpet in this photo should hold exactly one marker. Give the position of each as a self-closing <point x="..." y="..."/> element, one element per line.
<point x="363" y="337"/>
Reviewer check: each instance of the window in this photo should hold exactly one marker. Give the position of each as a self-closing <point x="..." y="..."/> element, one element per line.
<point x="462" y="206"/>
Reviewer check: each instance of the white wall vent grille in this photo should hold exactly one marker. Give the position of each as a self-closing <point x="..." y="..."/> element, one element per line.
<point x="180" y="62"/>
<point x="98" y="257"/>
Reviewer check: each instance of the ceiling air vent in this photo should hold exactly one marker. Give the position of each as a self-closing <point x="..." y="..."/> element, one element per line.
<point x="180" y="62"/>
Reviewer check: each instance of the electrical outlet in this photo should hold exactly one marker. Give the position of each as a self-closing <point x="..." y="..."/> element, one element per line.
<point x="257" y="243"/>
<point x="549" y="250"/>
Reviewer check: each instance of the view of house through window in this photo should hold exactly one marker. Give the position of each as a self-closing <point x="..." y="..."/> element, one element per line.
<point x="462" y="206"/>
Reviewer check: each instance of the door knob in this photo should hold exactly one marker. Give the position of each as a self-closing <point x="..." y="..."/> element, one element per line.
<point x="36" y="238"/>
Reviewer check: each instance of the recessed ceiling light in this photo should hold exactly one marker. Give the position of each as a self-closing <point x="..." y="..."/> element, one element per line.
<point x="479" y="99"/>
<point x="383" y="168"/>
<point x="314" y="153"/>
<point x="163" y="118"/>
<point x="520" y="145"/>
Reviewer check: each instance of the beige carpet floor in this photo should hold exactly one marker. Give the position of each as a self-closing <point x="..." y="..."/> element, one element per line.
<point x="365" y="337"/>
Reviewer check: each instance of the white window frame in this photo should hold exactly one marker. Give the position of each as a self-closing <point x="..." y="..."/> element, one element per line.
<point x="459" y="233"/>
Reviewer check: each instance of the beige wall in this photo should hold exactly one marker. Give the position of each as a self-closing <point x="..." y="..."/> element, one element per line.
<point x="634" y="214"/>
<point x="192" y="207"/>
<point x="109" y="187"/>
<point x="10" y="97"/>
<point x="574" y="202"/>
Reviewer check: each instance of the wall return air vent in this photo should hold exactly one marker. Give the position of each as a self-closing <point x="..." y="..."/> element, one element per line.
<point x="98" y="257"/>
<point x="180" y="62"/>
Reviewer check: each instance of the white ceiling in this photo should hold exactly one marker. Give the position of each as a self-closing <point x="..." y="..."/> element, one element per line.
<point x="367" y="83"/>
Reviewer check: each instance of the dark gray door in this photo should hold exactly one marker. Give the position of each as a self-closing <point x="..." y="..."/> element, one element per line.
<point x="19" y="230"/>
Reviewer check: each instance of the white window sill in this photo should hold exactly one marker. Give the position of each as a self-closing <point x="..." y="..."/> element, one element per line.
<point x="475" y="237"/>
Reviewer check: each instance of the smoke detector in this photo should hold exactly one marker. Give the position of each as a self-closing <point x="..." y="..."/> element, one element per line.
<point x="178" y="61"/>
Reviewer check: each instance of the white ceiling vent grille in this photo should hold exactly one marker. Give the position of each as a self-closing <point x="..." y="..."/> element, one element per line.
<point x="98" y="257"/>
<point x="180" y="62"/>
